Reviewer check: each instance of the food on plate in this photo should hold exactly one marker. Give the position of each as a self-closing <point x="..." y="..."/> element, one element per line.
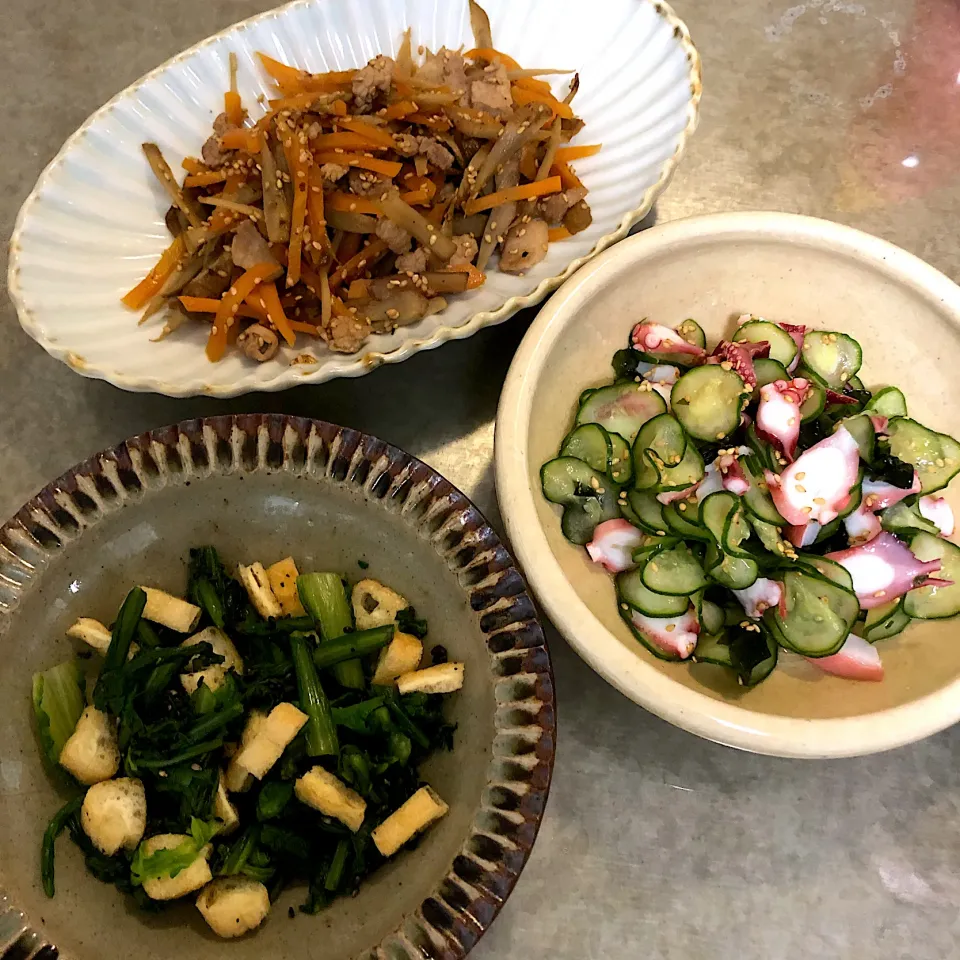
<point x="260" y="731"/>
<point x="362" y="199"/>
<point x="758" y="498"/>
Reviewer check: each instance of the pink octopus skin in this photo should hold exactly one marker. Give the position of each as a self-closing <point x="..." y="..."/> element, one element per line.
<point x="797" y="331"/>
<point x="939" y="513"/>
<point x="878" y="495"/>
<point x="675" y="636"/>
<point x="656" y="339"/>
<point x="761" y="595"/>
<point x="884" y="569"/>
<point x="778" y="414"/>
<point x="740" y="356"/>
<point x="613" y="544"/>
<point x="855" y="660"/>
<point x="817" y="485"/>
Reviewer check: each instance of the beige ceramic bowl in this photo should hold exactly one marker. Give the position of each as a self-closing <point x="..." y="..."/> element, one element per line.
<point x="904" y="313"/>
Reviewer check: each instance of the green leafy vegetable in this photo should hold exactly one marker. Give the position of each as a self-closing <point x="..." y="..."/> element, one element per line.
<point x="273" y="799"/>
<point x="408" y="622"/>
<point x="170" y="863"/>
<point x="58" y="701"/>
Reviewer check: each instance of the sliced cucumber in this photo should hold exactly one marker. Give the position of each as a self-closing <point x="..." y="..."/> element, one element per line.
<point x="769" y="535"/>
<point x="692" y="332"/>
<point x="722" y="514"/>
<point x="906" y="520"/>
<point x="708" y="401"/>
<point x="819" y="615"/>
<point x="589" y="443"/>
<point x="888" y="402"/>
<point x="639" y="636"/>
<point x="711" y="617"/>
<point x="861" y="428"/>
<point x="683" y="475"/>
<point x="832" y="357"/>
<point x="812" y="407"/>
<point x="757" y="499"/>
<point x="621" y="460"/>
<point x="935" y="456"/>
<point x="586" y="495"/>
<point x="632" y="591"/>
<point x="713" y="648"/>
<point x="586" y="396"/>
<point x="885" y="622"/>
<point x="828" y="570"/>
<point x="768" y="371"/>
<point x="736" y="573"/>
<point x="621" y="408"/>
<point x="783" y="348"/>
<point x="674" y="571"/>
<point x="648" y="510"/>
<point x="753" y="653"/>
<point x="935" y="603"/>
<point x="763" y="450"/>
<point x="683" y="519"/>
<point x="626" y="364"/>
<point x="660" y="439"/>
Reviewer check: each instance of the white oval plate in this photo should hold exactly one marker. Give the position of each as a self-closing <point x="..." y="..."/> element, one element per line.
<point x="93" y="225"/>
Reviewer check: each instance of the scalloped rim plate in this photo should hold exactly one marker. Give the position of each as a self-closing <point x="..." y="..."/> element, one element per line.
<point x="45" y="252"/>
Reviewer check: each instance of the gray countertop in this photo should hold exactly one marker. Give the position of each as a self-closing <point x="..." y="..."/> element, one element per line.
<point x="655" y="844"/>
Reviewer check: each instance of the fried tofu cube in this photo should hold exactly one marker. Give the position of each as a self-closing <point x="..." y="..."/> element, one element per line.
<point x="402" y="655"/>
<point x="255" y="582"/>
<point x="282" y="724"/>
<point x="422" y="809"/>
<point x="236" y="779"/>
<point x="224" y="810"/>
<point x="282" y="577"/>
<point x="233" y="906"/>
<point x="91" y="632"/>
<point x="114" y="814"/>
<point x="324" y="792"/>
<point x="443" y="678"/>
<point x="170" y="611"/>
<point x="187" y="880"/>
<point x="91" y="752"/>
<point x="375" y="605"/>
<point x="214" y="675"/>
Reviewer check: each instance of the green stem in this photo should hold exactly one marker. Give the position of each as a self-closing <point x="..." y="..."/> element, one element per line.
<point x="264" y="628"/>
<point x="352" y="645"/>
<point x="124" y="629"/>
<point x="54" y="829"/>
<point x="188" y="754"/>
<point x="213" y="722"/>
<point x="335" y="873"/>
<point x="321" y="734"/>
<point x="325" y="600"/>
<point x="208" y="599"/>
<point x="240" y="852"/>
<point x="146" y="635"/>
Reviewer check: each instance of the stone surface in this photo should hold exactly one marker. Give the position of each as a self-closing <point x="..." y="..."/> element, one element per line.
<point x="655" y="844"/>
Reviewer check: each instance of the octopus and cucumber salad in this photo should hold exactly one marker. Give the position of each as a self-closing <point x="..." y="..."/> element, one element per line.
<point x="264" y="730"/>
<point x="758" y="498"/>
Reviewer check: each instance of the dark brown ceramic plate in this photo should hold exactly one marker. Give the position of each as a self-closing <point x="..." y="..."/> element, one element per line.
<point x="265" y="487"/>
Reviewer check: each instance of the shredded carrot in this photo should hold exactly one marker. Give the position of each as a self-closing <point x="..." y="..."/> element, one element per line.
<point x="301" y="327"/>
<point x="488" y="53"/>
<point x="339" y="108"/>
<point x="475" y="278"/>
<point x="348" y="203"/>
<point x="416" y="183"/>
<point x="396" y="111"/>
<point x="368" y="131"/>
<point x="433" y="122"/>
<point x="344" y="141"/>
<point x="567" y="177"/>
<point x="226" y="314"/>
<point x="193" y="165"/>
<point x="402" y="87"/>
<point x="526" y="191"/>
<point x="233" y="107"/>
<point x="266" y="296"/>
<point x="418" y="198"/>
<point x="389" y="168"/>
<point x="154" y="280"/>
<point x="352" y="269"/>
<point x="567" y="154"/>
<point x="554" y="234"/>
<point x="285" y="76"/>
<point x="200" y="304"/>
<point x="529" y="83"/>
<point x="298" y="101"/>
<point x="205" y="179"/>
<point x="327" y="82"/>
<point x="243" y="138"/>
<point x="299" y="162"/>
<point x="359" y="290"/>
<point x="523" y="96"/>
